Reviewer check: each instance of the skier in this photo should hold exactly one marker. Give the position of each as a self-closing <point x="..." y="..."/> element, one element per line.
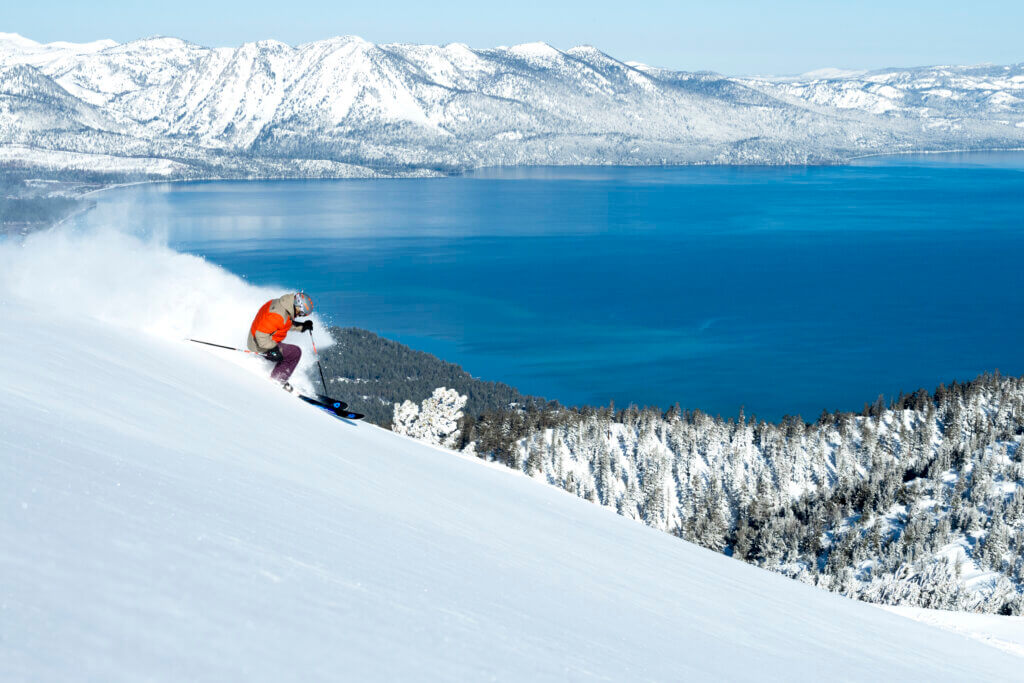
<point x="272" y="323"/>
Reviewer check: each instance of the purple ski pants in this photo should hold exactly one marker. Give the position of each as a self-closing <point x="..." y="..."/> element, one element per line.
<point x="286" y="366"/>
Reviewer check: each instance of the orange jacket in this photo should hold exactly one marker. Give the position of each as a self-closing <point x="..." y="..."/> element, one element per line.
<point x="271" y="324"/>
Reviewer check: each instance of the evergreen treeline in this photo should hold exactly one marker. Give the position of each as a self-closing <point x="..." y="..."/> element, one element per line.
<point x="373" y="373"/>
<point x="920" y="502"/>
<point x="36" y="211"/>
<point x="23" y="206"/>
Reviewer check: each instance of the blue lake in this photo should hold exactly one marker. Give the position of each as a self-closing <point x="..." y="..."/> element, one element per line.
<point x="784" y="290"/>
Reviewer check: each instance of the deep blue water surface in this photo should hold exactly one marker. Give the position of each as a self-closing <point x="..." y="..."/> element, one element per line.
<point x="786" y="290"/>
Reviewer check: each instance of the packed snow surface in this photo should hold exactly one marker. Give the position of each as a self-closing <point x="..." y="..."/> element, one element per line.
<point x="1003" y="632"/>
<point x="168" y="513"/>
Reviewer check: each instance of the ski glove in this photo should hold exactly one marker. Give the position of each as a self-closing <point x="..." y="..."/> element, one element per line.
<point x="274" y="354"/>
<point x="306" y="325"/>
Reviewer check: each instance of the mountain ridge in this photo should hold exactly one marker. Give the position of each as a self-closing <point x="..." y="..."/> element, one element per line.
<point x="396" y="108"/>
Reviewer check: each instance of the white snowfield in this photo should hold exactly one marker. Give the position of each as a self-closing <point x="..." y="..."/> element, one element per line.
<point x="1005" y="633"/>
<point x="166" y="513"/>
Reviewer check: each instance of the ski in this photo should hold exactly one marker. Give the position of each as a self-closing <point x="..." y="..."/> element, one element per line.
<point x="333" y="402"/>
<point x="333" y="406"/>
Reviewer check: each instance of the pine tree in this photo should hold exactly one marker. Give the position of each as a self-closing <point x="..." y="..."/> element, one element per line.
<point x="996" y="546"/>
<point x="405" y="416"/>
<point x="435" y="421"/>
<point x="744" y="540"/>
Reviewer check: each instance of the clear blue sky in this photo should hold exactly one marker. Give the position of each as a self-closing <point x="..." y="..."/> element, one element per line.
<point x="729" y="36"/>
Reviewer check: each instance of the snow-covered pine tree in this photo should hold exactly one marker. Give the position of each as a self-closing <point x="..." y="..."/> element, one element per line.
<point x="435" y="421"/>
<point x="404" y="420"/>
<point x="441" y="414"/>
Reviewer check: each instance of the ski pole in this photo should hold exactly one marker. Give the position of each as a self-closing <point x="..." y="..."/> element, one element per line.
<point x="221" y="346"/>
<point x="317" y="354"/>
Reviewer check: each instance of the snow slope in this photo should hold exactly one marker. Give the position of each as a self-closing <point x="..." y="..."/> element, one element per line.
<point x="1005" y="633"/>
<point x="167" y="513"/>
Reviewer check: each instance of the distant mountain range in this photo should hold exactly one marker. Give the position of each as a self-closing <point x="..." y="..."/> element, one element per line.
<point x="166" y="108"/>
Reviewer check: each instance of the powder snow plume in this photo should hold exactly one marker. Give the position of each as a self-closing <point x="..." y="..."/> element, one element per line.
<point x="136" y="283"/>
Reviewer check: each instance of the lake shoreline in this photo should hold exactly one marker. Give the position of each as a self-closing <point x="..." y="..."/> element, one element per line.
<point x="565" y="289"/>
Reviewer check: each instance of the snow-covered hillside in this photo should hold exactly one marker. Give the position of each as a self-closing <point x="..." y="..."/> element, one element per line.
<point x="170" y="514"/>
<point x="918" y="504"/>
<point x="345" y="106"/>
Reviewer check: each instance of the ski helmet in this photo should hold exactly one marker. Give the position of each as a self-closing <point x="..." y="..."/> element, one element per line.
<point x="303" y="304"/>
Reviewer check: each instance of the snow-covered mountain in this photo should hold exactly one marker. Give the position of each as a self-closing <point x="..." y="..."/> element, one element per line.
<point x="170" y="514"/>
<point x="348" y="107"/>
